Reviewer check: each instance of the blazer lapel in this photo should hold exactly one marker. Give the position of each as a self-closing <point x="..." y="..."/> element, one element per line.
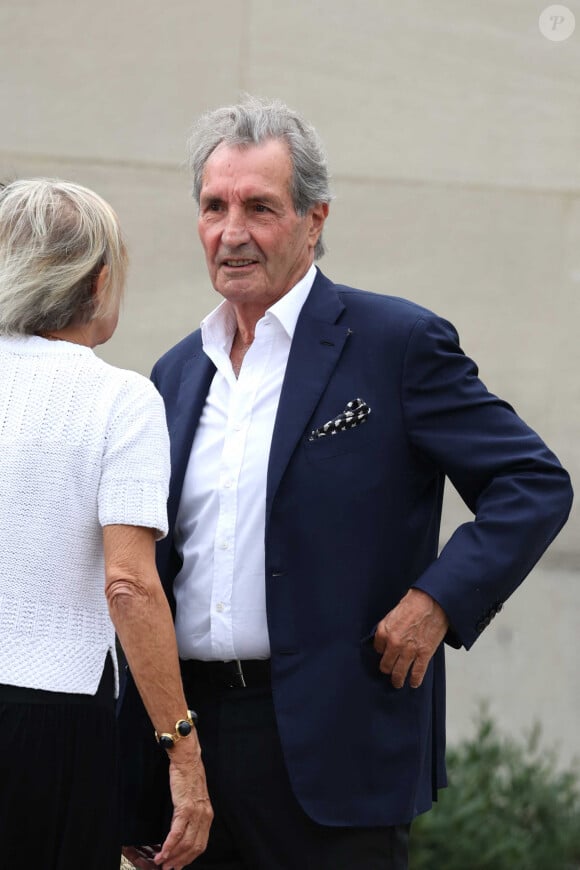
<point x="183" y="418"/>
<point x="316" y="348"/>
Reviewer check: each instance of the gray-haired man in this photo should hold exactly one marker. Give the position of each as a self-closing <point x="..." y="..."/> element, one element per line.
<point x="312" y="428"/>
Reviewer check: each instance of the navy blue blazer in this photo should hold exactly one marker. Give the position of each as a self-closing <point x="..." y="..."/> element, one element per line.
<point x="352" y="522"/>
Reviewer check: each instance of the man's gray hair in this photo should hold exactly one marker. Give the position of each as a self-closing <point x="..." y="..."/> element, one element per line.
<point x="55" y="237"/>
<point x="253" y="122"/>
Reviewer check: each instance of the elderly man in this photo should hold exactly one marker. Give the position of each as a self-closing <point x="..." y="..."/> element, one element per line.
<point x="312" y="428"/>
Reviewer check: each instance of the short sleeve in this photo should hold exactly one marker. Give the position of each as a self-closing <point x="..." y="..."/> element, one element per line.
<point x="134" y="481"/>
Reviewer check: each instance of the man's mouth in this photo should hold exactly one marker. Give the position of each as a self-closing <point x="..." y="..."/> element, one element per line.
<point x="237" y="263"/>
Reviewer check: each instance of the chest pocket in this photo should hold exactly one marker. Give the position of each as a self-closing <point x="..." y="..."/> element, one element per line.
<point x="358" y="439"/>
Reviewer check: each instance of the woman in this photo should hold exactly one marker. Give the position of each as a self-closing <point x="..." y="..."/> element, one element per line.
<point x="84" y="476"/>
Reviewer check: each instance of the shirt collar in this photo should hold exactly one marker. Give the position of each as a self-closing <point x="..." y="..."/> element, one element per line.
<point x="219" y="327"/>
<point x="287" y="309"/>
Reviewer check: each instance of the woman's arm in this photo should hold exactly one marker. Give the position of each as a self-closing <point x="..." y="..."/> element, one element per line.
<point x="142" y="620"/>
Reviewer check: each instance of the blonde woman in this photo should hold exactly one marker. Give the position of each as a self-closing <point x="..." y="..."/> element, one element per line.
<point x="84" y="472"/>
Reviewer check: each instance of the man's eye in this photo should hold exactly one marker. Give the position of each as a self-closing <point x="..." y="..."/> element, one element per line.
<point x="261" y="208"/>
<point x="214" y="205"/>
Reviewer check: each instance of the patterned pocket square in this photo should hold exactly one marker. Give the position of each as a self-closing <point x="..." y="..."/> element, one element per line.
<point x="356" y="412"/>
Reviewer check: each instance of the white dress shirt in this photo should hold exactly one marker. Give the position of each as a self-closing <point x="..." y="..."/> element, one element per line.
<point x="220" y="590"/>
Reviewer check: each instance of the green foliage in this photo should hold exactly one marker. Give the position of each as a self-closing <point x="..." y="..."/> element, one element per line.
<point x="508" y="807"/>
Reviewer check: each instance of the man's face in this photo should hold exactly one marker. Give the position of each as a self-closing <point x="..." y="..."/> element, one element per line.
<point x="256" y="246"/>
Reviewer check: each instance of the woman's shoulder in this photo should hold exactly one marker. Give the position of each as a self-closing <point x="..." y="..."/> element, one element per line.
<point x="124" y="378"/>
<point x="125" y="387"/>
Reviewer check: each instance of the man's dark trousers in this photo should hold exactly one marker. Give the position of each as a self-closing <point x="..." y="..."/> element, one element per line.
<point x="249" y="785"/>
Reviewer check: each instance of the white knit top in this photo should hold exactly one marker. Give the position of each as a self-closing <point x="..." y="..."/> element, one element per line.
<point x="82" y="445"/>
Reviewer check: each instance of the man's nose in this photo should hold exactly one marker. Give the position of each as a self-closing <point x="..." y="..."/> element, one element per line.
<point x="235" y="228"/>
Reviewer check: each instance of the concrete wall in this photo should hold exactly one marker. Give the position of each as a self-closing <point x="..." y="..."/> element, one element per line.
<point x="453" y="132"/>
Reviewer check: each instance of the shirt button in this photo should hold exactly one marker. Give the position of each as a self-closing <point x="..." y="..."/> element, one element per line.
<point x="219" y="607"/>
<point x="238" y="427"/>
<point x="228" y="484"/>
<point x="224" y="545"/>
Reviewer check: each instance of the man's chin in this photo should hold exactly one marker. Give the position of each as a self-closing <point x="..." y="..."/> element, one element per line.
<point x="239" y="288"/>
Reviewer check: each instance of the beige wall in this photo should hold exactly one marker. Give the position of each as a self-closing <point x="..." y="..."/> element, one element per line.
<point x="453" y="132"/>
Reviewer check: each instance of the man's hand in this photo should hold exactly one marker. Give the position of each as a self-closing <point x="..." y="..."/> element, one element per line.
<point x="408" y="636"/>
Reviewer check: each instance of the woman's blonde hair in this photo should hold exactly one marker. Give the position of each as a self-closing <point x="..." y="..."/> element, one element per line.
<point x="55" y="238"/>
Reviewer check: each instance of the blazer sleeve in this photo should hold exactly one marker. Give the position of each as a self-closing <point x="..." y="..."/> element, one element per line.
<point x="516" y="488"/>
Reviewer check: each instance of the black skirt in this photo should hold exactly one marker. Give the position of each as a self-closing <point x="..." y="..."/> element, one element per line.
<point x="59" y="779"/>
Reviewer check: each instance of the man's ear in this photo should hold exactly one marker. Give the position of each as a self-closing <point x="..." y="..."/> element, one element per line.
<point x="318" y="214"/>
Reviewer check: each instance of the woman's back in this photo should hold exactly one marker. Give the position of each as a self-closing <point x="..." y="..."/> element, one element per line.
<point x="75" y="454"/>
